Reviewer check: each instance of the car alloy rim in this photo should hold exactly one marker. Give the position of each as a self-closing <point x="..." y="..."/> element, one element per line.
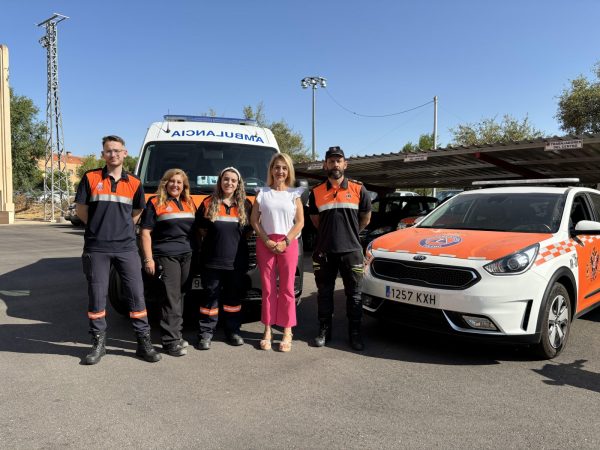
<point x="558" y="321"/>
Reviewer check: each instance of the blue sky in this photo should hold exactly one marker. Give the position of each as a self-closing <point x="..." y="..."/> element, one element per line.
<point x="123" y="64"/>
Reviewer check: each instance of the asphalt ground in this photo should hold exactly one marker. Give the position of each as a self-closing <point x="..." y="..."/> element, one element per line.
<point x="407" y="390"/>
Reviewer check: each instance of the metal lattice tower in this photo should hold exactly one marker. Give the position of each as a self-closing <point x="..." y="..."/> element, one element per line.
<point x="57" y="187"/>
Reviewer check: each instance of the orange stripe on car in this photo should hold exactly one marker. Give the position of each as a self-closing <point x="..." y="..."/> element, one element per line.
<point x="489" y="245"/>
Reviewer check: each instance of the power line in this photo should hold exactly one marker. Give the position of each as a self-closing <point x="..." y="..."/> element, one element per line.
<point x="375" y="115"/>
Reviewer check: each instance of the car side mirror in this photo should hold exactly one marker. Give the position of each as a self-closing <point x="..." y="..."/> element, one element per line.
<point x="587" y="227"/>
<point x="302" y="183"/>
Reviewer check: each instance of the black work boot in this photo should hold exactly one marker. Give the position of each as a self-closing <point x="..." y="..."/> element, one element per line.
<point x="356" y="341"/>
<point x="235" y="339"/>
<point x="324" y="335"/>
<point x="145" y="349"/>
<point x="203" y="344"/>
<point x="175" y="349"/>
<point x="98" y="348"/>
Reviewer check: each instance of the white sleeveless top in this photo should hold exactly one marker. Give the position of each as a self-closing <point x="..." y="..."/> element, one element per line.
<point x="278" y="209"/>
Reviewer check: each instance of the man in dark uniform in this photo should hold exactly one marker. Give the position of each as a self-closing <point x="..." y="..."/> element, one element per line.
<point x="339" y="208"/>
<point x="109" y="202"/>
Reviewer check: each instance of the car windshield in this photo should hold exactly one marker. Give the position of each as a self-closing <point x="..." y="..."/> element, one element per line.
<point x="519" y="212"/>
<point x="203" y="161"/>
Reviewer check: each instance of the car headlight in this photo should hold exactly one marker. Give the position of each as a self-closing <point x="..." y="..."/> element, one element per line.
<point x="515" y="263"/>
<point x="369" y="253"/>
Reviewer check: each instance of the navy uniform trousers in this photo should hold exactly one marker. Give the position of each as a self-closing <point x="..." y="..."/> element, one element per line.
<point x="96" y="267"/>
<point x="351" y="267"/>
<point x="223" y="287"/>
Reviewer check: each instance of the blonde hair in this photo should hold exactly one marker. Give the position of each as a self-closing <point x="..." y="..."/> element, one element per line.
<point x="291" y="178"/>
<point x="184" y="197"/>
<point x="239" y="198"/>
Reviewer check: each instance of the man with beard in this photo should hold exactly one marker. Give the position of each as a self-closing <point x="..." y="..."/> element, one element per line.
<point x="339" y="208"/>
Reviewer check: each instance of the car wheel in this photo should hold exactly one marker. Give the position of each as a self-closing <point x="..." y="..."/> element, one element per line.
<point x="556" y="322"/>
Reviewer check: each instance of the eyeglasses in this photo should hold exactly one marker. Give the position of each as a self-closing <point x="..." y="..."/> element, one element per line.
<point x="113" y="152"/>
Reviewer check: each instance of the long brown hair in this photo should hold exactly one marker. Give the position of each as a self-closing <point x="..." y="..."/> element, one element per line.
<point x="184" y="197"/>
<point x="239" y="197"/>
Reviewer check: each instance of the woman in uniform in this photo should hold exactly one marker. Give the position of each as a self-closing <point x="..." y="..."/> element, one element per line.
<point x="165" y="235"/>
<point x="222" y="224"/>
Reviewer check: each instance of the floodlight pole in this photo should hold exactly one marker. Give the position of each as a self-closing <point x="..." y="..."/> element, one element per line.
<point x="435" y="126"/>
<point x="313" y="82"/>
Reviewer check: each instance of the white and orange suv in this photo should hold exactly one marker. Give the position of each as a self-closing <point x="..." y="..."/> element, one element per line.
<point x="512" y="263"/>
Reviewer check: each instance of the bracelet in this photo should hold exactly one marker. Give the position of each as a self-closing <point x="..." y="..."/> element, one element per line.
<point x="147" y="260"/>
<point x="287" y="241"/>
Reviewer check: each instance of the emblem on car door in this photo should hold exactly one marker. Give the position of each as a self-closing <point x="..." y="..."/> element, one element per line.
<point x="420" y="258"/>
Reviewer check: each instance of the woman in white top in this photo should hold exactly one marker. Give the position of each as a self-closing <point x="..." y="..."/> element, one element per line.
<point x="278" y="218"/>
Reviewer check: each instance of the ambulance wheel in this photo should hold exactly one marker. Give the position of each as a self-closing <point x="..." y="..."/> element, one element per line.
<point x="115" y="293"/>
<point x="556" y="323"/>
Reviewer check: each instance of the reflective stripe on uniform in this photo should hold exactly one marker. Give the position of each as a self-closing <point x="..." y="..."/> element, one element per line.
<point x="111" y="198"/>
<point x="96" y="315"/>
<point x="232" y="309"/>
<point x="209" y="311"/>
<point x="138" y="314"/>
<point x="328" y="206"/>
<point x="226" y="219"/>
<point x="171" y="216"/>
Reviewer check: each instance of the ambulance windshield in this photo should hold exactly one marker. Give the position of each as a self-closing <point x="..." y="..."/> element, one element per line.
<point x="516" y="212"/>
<point x="203" y="161"/>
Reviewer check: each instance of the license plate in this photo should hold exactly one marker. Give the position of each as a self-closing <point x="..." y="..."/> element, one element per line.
<point x="196" y="284"/>
<point x="413" y="297"/>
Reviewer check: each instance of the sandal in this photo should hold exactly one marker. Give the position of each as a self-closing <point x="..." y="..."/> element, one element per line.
<point x="286" y="343"/>
<point x="265" y="343"/>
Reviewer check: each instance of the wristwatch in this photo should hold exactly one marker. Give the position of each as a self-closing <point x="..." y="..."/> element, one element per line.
<point x="287" y="241"/>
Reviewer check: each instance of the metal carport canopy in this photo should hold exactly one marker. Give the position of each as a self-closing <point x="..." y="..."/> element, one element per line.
<point x="553" y="157"/>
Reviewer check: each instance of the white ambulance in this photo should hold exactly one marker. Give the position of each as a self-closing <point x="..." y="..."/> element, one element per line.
<point x="203" y="146"/>
<point x="506" y="263"/>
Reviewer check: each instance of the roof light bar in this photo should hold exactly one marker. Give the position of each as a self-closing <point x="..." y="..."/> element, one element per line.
<point x="522" y="182"/>
<point x="230" y="120"/>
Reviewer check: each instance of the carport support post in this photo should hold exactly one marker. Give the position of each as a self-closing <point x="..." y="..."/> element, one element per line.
<point x="7" y="207"/>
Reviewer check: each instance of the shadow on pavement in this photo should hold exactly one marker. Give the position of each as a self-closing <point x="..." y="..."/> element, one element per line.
<point x="570" y="374"/>
<point x="50" y="298"/>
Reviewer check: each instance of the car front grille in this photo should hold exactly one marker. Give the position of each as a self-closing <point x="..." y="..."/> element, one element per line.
<point x="424" y="274"/>
<point x="252" y="252"/>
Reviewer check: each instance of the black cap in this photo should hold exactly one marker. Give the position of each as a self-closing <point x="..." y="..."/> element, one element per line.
<point x="334" y="151"/>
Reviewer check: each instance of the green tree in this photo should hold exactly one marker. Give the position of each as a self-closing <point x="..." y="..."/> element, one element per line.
<point x="89" y="162"/>
<point x="129" y="163"/>
<point x="579" y="105"/>
<point x="289" y="141"/>
<point x="28" y="136"/>
<point x="489" y="131"/>
<point x="425" y="143"/>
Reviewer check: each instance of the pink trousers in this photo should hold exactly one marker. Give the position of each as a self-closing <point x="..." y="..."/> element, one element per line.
<point x="278" y="305"/>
